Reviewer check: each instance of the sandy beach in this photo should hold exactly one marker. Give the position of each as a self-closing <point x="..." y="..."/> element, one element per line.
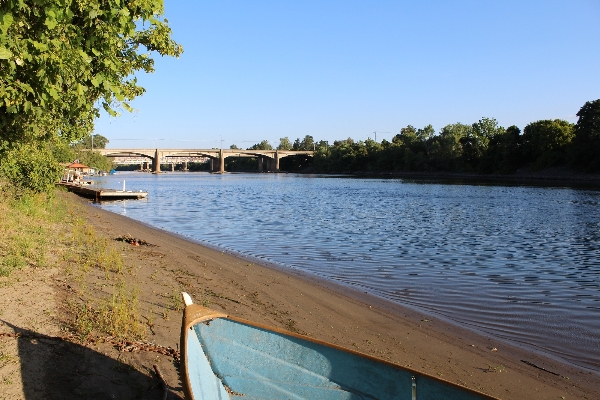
<point x="285" y="299"/>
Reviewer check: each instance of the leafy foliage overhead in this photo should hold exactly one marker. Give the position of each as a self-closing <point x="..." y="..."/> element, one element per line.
<point x="61" y="59"/>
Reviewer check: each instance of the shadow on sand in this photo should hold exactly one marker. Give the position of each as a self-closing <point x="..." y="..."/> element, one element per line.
<point x="53" y="368"/>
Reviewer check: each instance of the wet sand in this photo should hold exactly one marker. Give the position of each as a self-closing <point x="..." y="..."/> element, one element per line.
<point x="336" y="314"/>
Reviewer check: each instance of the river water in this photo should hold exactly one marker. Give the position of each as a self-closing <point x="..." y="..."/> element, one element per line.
<point x="518" y="263"/>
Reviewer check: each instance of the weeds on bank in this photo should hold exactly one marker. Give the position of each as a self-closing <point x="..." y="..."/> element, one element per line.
<point x="115" y="315"/>
<point x="113" y="310"/>
<point x="31" y="229"/>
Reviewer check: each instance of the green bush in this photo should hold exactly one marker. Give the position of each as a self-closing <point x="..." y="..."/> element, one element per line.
<point x="30" y="168"/>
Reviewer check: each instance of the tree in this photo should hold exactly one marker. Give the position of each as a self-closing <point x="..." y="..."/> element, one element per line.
<point x="284" y="144"/>
<point x="448" y="149"/>
<point x="475" y="144"/>
<point x="308" y="143"/>
<point x="425" y="135"/>
<point x="485" y="130"/>
<point x="585" y="149"/>
<point x="62" y="59"/>
<point x="406" y="136"/>
<point x="62" y="152"/>
<point x="545" y="142"/>
<point x="95" y="160"/>
<point x="509" y="150"/>
<point x="264" y="145"/>
<point x="93" y="142"/>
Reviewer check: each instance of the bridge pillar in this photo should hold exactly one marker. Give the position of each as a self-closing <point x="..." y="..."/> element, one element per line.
<point x="276" y="160"/>
<point x="185" y="166"/>
<point x="260" y="164"/>
<point x="222" y="168"/>
<point x="156" y="163"/>
<point x="172" y="167"/>
<point x="141" y="166"/>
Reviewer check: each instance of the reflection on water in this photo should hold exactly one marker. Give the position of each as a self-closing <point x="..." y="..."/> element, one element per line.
<point x="520" y="263"/>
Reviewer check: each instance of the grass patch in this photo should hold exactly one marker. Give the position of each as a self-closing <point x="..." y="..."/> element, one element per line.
<point x="31" y="230"/>
<point x="116" y="315"/>
<point x="109" y="307"/>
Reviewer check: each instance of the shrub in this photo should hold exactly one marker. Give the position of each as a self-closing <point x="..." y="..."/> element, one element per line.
<point x="30" y="168"/>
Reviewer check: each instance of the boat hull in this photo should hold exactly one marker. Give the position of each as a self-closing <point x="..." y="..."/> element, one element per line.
<point x="229" y="358"/>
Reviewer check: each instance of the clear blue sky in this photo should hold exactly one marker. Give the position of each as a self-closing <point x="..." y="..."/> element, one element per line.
<point x="261" y="70"/>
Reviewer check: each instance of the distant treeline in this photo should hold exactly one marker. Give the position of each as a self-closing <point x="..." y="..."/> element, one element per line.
<point x="482" y="147"/>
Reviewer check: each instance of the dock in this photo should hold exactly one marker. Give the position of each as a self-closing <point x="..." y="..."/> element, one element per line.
<point x="99" y="194"/>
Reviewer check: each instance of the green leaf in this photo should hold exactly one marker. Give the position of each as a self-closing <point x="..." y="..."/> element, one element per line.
<point x="27" y="87"/>
<point x="5" y="54"/>
<point x="40" y="46"/>
<point x="85" y="56"/>
<point x="6" y="21"/>
<point x="50" y="23"/>
<point x="53" y="92"/>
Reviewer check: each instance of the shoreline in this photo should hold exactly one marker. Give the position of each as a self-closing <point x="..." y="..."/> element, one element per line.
<point x="303" y="303"/>
<point x="388" y="306"/>
<point x="546" y="178"/>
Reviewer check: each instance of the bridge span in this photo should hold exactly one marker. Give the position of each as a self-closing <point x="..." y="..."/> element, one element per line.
<point x="270" y="157"/>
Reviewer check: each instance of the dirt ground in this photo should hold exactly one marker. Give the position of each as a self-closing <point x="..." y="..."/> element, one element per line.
<point x="40" y="360"/>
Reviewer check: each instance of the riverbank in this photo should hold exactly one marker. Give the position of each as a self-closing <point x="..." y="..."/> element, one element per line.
<point x="163" y="264"/>
<point x="551" y="177"/>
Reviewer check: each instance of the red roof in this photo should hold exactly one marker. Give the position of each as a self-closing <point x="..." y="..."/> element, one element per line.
<point x="77" y="165"/>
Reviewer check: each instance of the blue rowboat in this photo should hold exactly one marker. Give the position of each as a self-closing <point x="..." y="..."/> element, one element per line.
<point x="225" y="357"/>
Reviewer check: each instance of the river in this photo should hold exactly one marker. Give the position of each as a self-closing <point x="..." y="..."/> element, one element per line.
<point x="518" y="263"/>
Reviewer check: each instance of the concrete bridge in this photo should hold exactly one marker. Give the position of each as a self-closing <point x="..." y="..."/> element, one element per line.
<point x="270" y="157"/>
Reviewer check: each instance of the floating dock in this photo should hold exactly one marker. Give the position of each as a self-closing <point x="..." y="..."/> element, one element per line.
<point x="99" y="194"/>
